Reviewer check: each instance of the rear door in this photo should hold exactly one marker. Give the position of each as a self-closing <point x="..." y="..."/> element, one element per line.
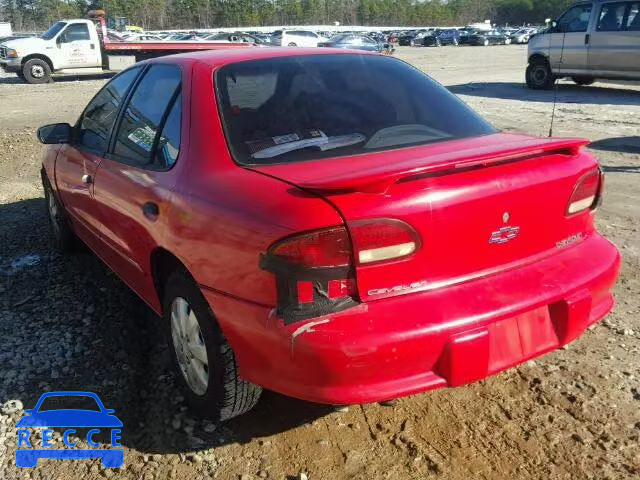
<point x="77" y="163"/>
<point x="614" y="47"/>
<point x="133" y="184"/>
<point x="77" y="48"/>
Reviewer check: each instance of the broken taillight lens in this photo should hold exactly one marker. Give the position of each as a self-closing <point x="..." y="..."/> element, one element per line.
<point x="587" y="192"/>
<point x="314" y="273"/>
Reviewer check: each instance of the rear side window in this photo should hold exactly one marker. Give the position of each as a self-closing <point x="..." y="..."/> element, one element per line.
<point x="633" y="17"/>
<point x="292" y="109"/>
<point x="99" y="117"/>
<point x="611" y="17"/>
<point x="141" y="127"/>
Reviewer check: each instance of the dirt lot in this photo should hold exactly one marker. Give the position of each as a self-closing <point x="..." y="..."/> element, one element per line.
<point x="67" y="323"/>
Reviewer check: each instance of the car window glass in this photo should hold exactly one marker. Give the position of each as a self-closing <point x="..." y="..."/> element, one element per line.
<point x="144" y="113"/>
<point x="611" y="17"/>
<point x="169" y="141"/>
<point x="100" y="115"/>
<point x="326" y="104"/>
<point x="633" y="18"/>
<point x="576" y="19"/>
<point x="75" y="32"/>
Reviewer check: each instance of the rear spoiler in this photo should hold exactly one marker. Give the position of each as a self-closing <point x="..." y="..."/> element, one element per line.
<point x="379" y="178"/>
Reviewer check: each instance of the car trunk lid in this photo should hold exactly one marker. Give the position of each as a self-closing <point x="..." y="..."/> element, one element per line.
<point x="479" y="205"/>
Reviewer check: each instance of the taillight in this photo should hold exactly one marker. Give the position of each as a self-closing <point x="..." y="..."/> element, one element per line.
<point x="587" y="192"/>
<point x="322" y="248"/>
<point x="382" y="240"/>
<point x="314" y="273"/>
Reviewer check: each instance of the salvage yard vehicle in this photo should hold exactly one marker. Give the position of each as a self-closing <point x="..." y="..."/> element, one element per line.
<point x="328" y="224"/>
<point x="591" y="40"/>
<point x="83" y="47"/>
<point x="492" y="37"/>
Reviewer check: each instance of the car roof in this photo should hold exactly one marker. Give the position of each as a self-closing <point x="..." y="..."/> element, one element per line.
<point x="221" y="57"/>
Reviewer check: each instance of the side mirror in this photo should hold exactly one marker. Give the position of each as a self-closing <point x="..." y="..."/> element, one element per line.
<point x="55" y="133"/>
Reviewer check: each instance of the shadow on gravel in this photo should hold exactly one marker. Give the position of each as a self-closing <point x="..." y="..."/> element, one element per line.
<point x="68" y="323"/>
<point x="14" y="80"/>
<point x="618" y="144"/>
<point x="567" y="93"/>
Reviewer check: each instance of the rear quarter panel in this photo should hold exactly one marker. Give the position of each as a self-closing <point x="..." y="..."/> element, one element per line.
<point x="224" y="216"/>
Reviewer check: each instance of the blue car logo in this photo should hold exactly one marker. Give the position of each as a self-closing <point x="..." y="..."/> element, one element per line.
<point x="42" y="417"/>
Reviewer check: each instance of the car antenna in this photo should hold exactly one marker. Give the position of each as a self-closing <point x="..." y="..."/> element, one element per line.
<point x="556" y="81"/>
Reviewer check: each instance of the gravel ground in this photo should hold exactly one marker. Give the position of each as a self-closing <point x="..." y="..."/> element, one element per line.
<point x="67" y="323"/>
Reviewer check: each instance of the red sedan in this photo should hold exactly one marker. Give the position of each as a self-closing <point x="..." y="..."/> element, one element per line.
<point x="331" y="225"/>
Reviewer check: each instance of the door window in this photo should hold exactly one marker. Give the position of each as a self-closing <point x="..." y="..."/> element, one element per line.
<point x="143" y="119"/>
<point x="95" y="124"/>
<point x="75" y="32"/>
<point x="633" y="17"/>
<point x="576" y="19"/>
<point x="611" y="17"/>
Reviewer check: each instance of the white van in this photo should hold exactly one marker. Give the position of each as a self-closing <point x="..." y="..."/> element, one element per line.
<point x="592" y="40"/>
<point x="297" y="38"/>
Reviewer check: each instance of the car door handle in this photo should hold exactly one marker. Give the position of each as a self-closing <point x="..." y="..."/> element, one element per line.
<point x="93" y="47"/>
<point x="151" y="210"/>
<point x="86" y="179"/>
<point x="587" y="38"/>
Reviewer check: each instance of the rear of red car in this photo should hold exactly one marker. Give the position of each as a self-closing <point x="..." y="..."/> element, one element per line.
<point x="462" y="251"/>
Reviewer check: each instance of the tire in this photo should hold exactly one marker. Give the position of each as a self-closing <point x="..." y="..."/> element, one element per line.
<point x="62" y="237"/>
<point x="584" y="81"/>
<point x="36" y="71"/>
<point x="292" y="44"/>
<point x="214" y="391"/>
<point x="539" y="75"/>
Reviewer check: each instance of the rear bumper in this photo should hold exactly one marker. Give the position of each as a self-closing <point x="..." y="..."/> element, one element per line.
<point x="422" y="341"/>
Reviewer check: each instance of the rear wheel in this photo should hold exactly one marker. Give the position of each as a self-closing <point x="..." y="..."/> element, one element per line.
<point x="204" y="360"/>
<point x="583" y="80"/>
<point x="36" y="71"/>
<point x="539" y="75"/>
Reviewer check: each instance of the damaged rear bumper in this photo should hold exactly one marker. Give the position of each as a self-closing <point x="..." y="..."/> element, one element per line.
<point x="422" y="341"/>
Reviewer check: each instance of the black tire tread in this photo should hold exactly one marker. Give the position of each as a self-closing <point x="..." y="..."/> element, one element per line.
<point x="230" y="395"/>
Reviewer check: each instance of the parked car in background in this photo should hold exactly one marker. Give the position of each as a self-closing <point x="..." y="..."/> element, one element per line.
<point x="523" y="35"/>
<point x="296" y="38"/>
<point x="492" y="37"/>
<point x="449" y="37"/>
<point x="408" y="39"/>
<point x="590" y="40"/>
<point x="141" y="37"/>
<point x="465" y="36"/>
<point x="235" y="37"/>
<point x="356" y="42"/>
<point x="386" y="289"/>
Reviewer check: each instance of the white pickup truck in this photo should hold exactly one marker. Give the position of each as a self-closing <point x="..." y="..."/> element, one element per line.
<point x="82" y="46"/>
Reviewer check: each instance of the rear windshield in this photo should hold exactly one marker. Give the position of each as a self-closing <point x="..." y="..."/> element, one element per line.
<point x="292" y="109"/>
